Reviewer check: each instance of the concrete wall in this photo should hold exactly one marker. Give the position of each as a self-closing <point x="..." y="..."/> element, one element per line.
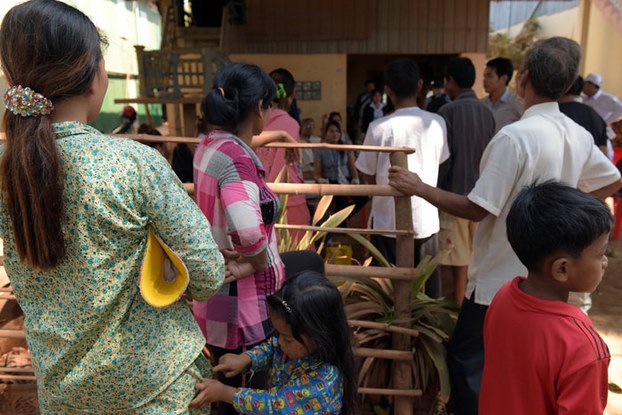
<point x="330" y="70"/>
<point x="603" y="51"/>
<point x="479" y="61"/>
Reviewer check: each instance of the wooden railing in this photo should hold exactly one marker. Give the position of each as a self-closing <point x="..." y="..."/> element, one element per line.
<point x="402" y="275"/>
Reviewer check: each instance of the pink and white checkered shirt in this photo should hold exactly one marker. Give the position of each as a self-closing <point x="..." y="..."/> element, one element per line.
<point x="233" y="195"/>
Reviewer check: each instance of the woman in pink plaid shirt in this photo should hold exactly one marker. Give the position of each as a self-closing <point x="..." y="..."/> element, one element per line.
<point x="232" y="193"/>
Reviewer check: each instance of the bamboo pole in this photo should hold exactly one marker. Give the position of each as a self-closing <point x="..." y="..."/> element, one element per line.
<point x="16" y="370"/>
<point x="404" y="258"/>
<point x="334" y="271"/>
<point x="398" y="274"/>
<point x="17" y="377"/>
<point x="344" y="147"/>
<point x="384" y="326"/>
<point x="12" y="334"/>
<point x="334" y="189"/>
<point x="398" y="355"/>
<point x="344" y="230"/>
<point x="410" y="393"/>
<point x="324" y="189"/>
<point x="146" y="138"/>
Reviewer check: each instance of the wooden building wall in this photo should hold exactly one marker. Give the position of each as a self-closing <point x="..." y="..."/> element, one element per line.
<point x="394" y="26"/>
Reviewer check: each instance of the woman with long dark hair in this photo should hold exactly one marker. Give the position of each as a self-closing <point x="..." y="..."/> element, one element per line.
<point x="75" y="215"/>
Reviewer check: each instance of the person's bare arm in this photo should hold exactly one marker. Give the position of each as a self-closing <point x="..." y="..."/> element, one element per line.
<point x="458" y="205"/>
<point x="267" y="137"/>
<point x="369" y="179"/>
<point x="354" y="173"/>
<point x="317" y="171"/>
<point x="278" y="136"/>
<point x="245" y="266"/>
<point x="606" y="191"/>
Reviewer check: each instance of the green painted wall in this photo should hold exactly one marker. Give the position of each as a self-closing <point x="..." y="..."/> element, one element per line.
<point x="124" y="24"/>
<point x="109" y="116"/>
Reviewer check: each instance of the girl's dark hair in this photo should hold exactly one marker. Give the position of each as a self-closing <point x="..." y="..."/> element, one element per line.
<point x="237" y="90"/>
<point x="283" y="76"/>
<point x="55" y="50"/>
<point x="333" y="123"/>
<point x="312" y="306"/>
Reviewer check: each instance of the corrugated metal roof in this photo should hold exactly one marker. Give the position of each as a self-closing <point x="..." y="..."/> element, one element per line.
<point x="506" y="13"/>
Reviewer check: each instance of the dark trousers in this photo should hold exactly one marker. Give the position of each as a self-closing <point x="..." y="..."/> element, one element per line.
<point x="423" y="247"/>
<point x="465" y="357"/>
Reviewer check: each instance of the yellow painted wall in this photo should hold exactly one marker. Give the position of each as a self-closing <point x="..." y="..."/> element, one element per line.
<point x="603" y="51"/>
<point x="330" y="69"/>
<point x="479" y="61"/>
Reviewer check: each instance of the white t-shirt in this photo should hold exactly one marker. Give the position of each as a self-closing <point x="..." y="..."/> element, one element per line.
<point x="606" y="105"/>
<point x="406" y="127"/>
<point x="543" y="145"/>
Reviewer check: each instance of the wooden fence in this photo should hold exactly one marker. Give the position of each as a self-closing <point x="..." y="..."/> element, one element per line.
<point x="402" y="275"/>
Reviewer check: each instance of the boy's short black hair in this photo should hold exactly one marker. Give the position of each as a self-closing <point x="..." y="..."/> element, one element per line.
<point x="462" y="71"/>
<point x="502" y="66"/>
<point x="402" y="76"/>
<point x="551" y="217"/>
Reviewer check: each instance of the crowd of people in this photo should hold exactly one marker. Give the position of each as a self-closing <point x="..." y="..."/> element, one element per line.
<point x="510" y="185"/>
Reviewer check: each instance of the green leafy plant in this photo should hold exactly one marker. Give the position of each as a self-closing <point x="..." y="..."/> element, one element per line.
<point x="371" y="299"/>
<point x="308" y="240"/>
<point x="432" y="321"/>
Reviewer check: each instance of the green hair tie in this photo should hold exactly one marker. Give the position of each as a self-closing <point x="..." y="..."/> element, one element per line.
<point x="280" y="91"/>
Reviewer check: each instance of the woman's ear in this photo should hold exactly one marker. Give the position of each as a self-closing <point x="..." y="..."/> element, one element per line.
<point x="260" y="109"/>
<point x="559" y="269"/>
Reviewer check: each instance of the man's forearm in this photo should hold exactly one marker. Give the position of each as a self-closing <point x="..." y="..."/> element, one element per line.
<point x="453" y="203"/>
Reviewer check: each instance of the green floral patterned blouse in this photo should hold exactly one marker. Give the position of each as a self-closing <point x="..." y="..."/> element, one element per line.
<point x="96" y="345"/>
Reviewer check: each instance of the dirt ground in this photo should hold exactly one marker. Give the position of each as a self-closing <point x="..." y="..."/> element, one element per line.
<point x="606" y="314"/>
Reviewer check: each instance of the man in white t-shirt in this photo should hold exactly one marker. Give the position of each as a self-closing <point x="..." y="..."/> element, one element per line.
<point x="408" y="126"/>
<point x="543" y="145"/>
<point x="606" y="105"/>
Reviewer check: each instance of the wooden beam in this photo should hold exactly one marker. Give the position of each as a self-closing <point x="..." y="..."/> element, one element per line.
<point x="383" y="326"/>
<point x="344" y="230"/>
<point x="399" y="274"/>
<point x="402" y="298"/>
<point x="411" y="393"/>
<point x="325" y="189"/>
<point x="12" y="334"/>
<point x="401" y="355"/>
<point x="335" y="271"/>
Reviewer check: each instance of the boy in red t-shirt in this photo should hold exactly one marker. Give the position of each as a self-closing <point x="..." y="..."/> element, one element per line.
<point x="541" y="354"/>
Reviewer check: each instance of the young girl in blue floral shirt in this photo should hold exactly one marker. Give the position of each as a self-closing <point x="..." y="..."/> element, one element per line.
<point x="311" y="359"/>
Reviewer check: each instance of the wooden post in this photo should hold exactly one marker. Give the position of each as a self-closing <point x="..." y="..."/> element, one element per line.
<point x="140" y="51"/>
<point x="190" y="120"/>
<point x="404" y="258"/>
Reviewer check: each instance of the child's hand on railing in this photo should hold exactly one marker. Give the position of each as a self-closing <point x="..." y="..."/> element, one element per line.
<point x="211" y="390"/>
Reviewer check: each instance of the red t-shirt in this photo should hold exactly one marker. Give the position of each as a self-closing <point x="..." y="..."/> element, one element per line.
<point x="541" y="357"/>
